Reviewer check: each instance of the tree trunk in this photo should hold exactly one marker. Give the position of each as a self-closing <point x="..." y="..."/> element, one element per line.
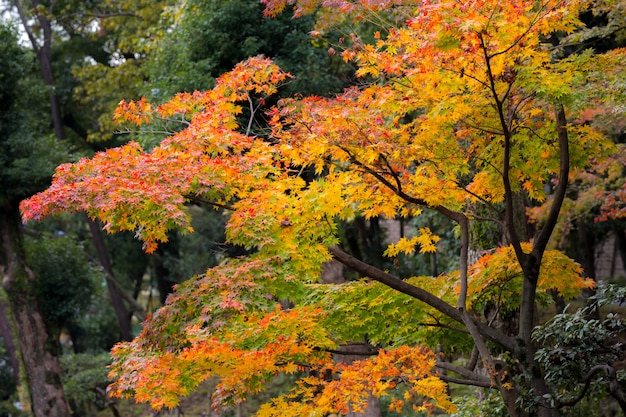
<point x="44" y="57"/>
<point x="620" y="241"/>
<point x="526" y="354"/>
<point x="122" y="313"/>
<point x="162" y="274"/>
<point x="39" y="351"/>
<point x="584" y="252"/>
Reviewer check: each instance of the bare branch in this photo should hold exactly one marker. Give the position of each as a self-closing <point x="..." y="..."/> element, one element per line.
<point x="470" y="375"/>
<point x="471" y="382"/>
<point x="208" y="202"/>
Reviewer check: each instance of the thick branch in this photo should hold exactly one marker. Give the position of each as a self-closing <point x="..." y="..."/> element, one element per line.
<point x="27" y="29"/>
<point x="472" y="382"/>
<point x="368" y="352"/>
<point x="208" y="202"/>
<point x="137" y="308"/>
<point x="475" y="332"/>
<point x="506" y="157"/>
<point x="463" y="264"/>
<point x="116" y="293"/>
<point x="442" y="326"/>
<point x="541" y="240"/>
<point x="397" y="189"/>
<point x="418" y="293"/>
<point x="473" y="359"/>
<point x="464" y="372"/>
<point x="462" y="300"/>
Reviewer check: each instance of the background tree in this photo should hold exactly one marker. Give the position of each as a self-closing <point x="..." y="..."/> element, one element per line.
<point x="580" y="353"/>
<point x="62" y="34"/>
<point x="65" y="284"/>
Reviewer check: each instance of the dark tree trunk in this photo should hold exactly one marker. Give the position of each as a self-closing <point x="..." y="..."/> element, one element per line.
<point x="620" y="241"/>
<point x="122" y="313"/>
<point x="526" y="352"/>
<point x="43" y="52"/>
<point x="39" y="352"/>
<point x="587" y="258"/>
<point x="162" y="274"/>
<point x="44" y="57"/>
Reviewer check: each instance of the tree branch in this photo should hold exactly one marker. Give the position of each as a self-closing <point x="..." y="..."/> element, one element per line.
<point x="208" y="202"/>
<point x="418" y="293"/>
<point x="463" y="264"/>
<point x="24" y="20"/>
<point x="135" y="307"/>
<point x="472" y="376"/>
<point x="610" y="372"/>
<point x="475" y="383"/>
<point x="542" y="238"/>
<point x="506" y="158"/>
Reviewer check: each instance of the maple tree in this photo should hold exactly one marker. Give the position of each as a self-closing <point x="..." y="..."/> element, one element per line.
<point x="463" y="110"/>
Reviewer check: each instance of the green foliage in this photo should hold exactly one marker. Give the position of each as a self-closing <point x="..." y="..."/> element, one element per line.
<point x="94" y="328"/>
<point x="211" y="37"/>
<point x="128" y="261"/>
<point x="10" y="69"/>
<point x="64" y="276"/>
<point x="27" y="154"/>
<point x="367" y="310"/>
<point x="85" y="381"/>
<point x="97" y="327"/>
<point x="490" y="405"/>
<point x="578" y="349"/>
<point x="8" y="409"/>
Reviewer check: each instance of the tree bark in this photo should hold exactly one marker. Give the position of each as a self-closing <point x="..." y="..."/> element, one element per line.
<point x="39" y="351"/>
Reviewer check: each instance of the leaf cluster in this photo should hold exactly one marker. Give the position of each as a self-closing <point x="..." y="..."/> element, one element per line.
<point x="496" y="278"/>
<point x="581" y="354"/>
